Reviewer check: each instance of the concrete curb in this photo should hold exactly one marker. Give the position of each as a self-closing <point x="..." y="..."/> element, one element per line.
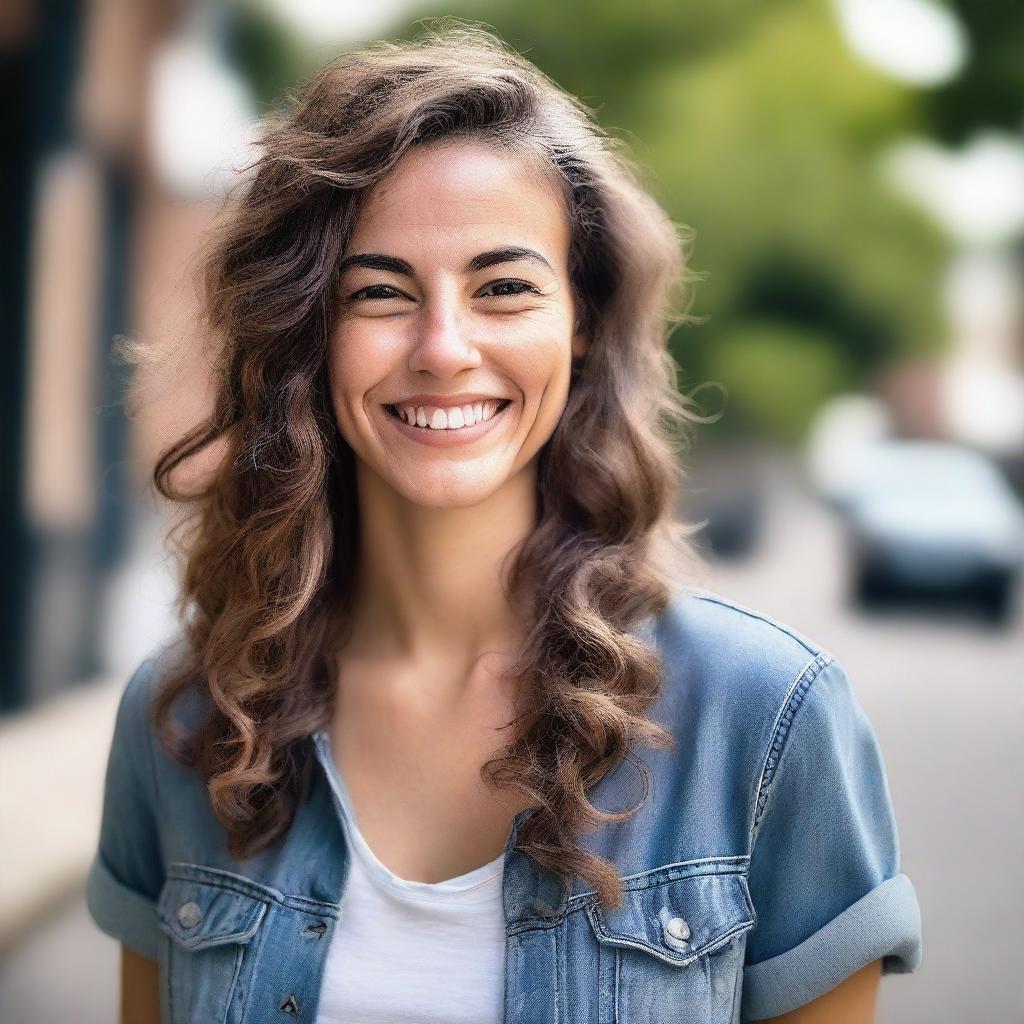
<point x="52" y="763"/>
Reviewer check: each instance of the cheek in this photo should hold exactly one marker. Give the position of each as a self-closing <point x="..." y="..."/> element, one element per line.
<point x="357" y="362"/>
<point x="542" y="372"/>
<point x="544" y="366"/>
<point x="345" y="377"/>
<point x="541" y="347"/>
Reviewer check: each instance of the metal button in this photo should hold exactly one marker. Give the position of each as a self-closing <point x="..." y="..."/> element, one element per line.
<point x="678" y="929"/>
<point x="189" y="914"/>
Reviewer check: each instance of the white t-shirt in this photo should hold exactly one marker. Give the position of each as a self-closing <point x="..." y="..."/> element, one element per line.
<point x="404" y="952"/>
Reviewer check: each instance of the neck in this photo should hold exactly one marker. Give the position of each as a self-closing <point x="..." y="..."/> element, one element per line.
<point x="429" y="585"/>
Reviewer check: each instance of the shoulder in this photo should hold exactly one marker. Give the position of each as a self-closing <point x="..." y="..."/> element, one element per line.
<point x="726" y="651"/>
<point x="175" y="788"/>
<point x="742" y="686"/>
<point x="135" y="744"/>
<point x="146" y="680"/>
<point x="704" y="614"/>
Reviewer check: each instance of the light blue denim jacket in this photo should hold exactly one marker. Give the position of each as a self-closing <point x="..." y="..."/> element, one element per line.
<point x="762" y="870"/>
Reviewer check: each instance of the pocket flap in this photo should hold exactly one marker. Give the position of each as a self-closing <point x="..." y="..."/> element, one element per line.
<point x="198" y="911"/>
<point x="676" y="919"/>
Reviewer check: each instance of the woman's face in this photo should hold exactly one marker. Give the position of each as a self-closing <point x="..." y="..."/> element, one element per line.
<point x="455" y="309"/>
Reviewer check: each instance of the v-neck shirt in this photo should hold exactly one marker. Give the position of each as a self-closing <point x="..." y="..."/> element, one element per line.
<point x="405" y="951"/>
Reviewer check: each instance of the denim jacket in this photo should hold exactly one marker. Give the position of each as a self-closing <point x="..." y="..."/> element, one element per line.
<point x="761" y="871"/>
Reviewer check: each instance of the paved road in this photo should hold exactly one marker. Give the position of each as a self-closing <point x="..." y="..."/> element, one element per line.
<point x="946" y="696"/>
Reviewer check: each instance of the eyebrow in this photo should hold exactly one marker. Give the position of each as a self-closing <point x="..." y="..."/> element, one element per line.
<point x="506" y="254"/>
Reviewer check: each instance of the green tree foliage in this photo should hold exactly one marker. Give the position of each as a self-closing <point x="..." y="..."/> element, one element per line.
<point x="775" y="375"/>
<point x="762" y="134"/>
<point x="989" y="93"/>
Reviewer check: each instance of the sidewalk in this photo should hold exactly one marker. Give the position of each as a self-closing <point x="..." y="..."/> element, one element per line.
<point x="50" y="803"/>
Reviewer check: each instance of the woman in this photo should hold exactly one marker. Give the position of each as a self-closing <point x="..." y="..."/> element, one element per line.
<point x="448" y="736"/>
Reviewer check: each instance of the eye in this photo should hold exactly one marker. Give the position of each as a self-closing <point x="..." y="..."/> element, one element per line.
<point x="519" y="287"/>
<point x="376" y="291"/>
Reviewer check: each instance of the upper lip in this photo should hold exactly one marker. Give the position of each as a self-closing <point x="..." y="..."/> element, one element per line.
<point x="447" y="401"/>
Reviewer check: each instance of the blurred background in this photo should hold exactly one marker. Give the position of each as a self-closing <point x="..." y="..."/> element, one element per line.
<point x="853" y="173"/>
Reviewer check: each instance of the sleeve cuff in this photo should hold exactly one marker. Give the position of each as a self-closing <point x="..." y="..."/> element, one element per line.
<point x="121" y="912"/>
<point x="886" y="923"/>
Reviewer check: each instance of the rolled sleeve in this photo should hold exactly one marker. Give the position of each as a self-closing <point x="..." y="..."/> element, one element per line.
<point x="126" y="874"/>
<point x="825" y="879"/>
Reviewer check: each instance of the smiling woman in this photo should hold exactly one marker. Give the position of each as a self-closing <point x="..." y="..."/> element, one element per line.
<point x="426" y="298"/>
<point x="452" y="732"/>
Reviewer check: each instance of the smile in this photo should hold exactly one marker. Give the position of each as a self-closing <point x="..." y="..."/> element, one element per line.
<point x="444" y="428"/>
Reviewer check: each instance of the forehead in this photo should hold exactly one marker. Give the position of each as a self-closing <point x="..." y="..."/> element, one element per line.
<point x="463" y="194"/>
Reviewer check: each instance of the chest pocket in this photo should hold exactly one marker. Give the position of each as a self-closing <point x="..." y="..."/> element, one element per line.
<point x="673" y="951"/>
<point x="210" y="919"/>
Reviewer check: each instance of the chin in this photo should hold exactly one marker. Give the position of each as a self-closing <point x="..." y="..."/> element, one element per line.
<point x="447" y="493"/>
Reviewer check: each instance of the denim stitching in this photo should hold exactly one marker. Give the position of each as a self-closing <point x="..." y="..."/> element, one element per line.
<point x="556" y="966"/>
<point x="579" y="900"/>
<point x="736" y="864"/>
<point x="712" y="946"/>
<point x="783" y="722"/>
<point x="656" y="882"/>
<point x="228" y="880"/>
<point x="233" y="990"/>
<point x="618" y="967"/>
<point x="713" y="598"/>
<point x="534" y="924"/>
<point x="255" y="950"/>
<point x="168" y="951"/>
<point x="736" y="874"/>
<point x="218" y="878"/>
<point x="737" y="987"/>
<point x="309" y="905"/>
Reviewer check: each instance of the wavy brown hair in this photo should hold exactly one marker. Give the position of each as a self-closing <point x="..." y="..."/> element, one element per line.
<point x="268" y="539"/>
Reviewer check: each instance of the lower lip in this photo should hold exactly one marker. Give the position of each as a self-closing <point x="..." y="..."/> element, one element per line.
<point x="448" y="438"/>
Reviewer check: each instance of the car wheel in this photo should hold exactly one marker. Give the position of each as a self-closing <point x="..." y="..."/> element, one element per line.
<point x="997" y="598"/>
<point x="866" y="587"/>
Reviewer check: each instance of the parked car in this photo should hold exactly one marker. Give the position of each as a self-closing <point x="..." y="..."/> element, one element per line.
<point x="725" y="489"/>
<point x="930" y="517"/>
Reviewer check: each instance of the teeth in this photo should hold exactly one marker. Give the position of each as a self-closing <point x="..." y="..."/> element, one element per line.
<point x="448" y="419"/>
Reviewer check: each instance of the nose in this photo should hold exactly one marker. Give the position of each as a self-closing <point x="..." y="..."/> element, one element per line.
<point x="443" y="345"/>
